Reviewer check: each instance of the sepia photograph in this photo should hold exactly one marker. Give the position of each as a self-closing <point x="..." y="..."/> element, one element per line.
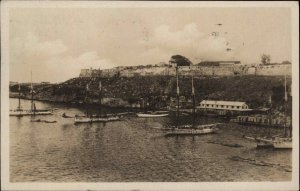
<point x="136" y="95"/>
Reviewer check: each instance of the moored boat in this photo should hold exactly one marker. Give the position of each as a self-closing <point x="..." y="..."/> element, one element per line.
<point x="151" y="115"/>
<point x="88" y="118"/>
<point x="24" y="112"/>
<point x="19" y="112"/>
<point x="282" y="143"/>
<point x="84" y="119"/>
<point x="190" y="129"/>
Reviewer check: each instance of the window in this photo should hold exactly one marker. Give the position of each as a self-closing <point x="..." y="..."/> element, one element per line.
<point x="222" y="106"/>
<point x="232" y="107"/>
<point x="238" y="107"/>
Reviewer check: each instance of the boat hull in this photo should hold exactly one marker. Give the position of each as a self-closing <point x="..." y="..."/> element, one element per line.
<point x="186" y="132"/>
<point x="95" y="119"/>
<point x="21" y="113"/>
<point x="145" y="115"/>
<point x="283" y="145"/>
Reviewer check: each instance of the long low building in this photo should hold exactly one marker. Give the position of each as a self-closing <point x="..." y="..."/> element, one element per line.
<point x="224" y="105"/>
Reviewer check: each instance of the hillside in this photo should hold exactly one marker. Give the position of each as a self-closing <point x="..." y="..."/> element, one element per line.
<point x="255" y="90"/>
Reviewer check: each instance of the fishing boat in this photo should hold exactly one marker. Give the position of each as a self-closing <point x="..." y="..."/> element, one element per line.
<point x="19" y="111"/>
<point x="275" y="142"/>
<point x="151" y="115"/>
<point x="282" y="143"/>
<point x="88" y="118"/>
<point x="286" y="141"/>
<point x="85" y="119"/>
<point x="190" y="129"/>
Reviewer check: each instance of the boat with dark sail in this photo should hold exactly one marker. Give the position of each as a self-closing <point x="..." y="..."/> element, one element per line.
<point x="190" y="129"/>
<point x="89" y="118"/>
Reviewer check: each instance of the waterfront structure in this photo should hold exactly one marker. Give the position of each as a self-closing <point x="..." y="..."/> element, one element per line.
<point x="224" y="105"/>
<point x="223" y="108"/>
<point x="265" y="120"/>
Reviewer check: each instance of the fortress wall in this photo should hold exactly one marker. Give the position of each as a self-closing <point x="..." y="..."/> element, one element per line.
<point x="226" y="70"/>
<point x="274" y="70"/>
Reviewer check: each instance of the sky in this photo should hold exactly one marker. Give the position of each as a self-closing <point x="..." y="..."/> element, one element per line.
<point x="55" y="43"/>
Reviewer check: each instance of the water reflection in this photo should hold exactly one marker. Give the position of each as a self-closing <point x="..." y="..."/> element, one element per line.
<point x="132" y="150"/>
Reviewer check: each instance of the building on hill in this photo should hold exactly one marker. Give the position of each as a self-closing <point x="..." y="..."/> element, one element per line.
<point x="90" y="72"/>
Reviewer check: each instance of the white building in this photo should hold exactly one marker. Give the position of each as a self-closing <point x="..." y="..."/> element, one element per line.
<point x="224" y="105"/>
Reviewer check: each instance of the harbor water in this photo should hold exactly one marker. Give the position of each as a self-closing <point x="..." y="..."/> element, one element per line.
<point x="135" y="150"/>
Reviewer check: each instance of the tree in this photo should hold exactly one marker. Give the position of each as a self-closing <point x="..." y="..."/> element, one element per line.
<point x="286" y="62"/>
<point x="180" y="60"/>
<point x="265" y="59"/>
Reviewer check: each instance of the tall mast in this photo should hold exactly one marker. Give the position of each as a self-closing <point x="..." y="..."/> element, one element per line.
<point x="285" y="93"/>
<point x="285" y="107"/>
<point x="85" y="99"/>
<point x="19" y="107"/>
<point x="193" y="97"/>
<point x="31" y="87"/>
<point x="100" y="100"/>
<point x="270" y="118"/>
<point x="177" y="91"/>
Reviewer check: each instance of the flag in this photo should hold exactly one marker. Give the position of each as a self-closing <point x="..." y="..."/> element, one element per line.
<point x="19" y="88"/>
<point x="87" y="87"/>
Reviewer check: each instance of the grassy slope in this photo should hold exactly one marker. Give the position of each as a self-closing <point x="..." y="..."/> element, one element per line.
<point x="255" y="90"/>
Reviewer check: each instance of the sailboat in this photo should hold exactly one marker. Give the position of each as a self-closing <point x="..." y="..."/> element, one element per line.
<point x="190" y="129"/>
<point x="95" y="118"/>
<point x="266" y="142"/>
<point x="33" y="110"/>
<point x="151" y="114"/>
<point x="284" y="142"/>
<point x="274" y="142"/>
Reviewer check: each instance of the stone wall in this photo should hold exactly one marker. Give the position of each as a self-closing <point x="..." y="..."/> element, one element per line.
<point x="274" y="70"/>
<point x="222" y="70"/>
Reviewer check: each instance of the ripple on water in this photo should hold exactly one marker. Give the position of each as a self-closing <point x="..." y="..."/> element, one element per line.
<point x="132" y="150"/>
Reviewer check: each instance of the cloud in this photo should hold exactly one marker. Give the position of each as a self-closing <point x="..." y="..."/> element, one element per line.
<point x="190" y="42"/>
<point x="49" y="60"/>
